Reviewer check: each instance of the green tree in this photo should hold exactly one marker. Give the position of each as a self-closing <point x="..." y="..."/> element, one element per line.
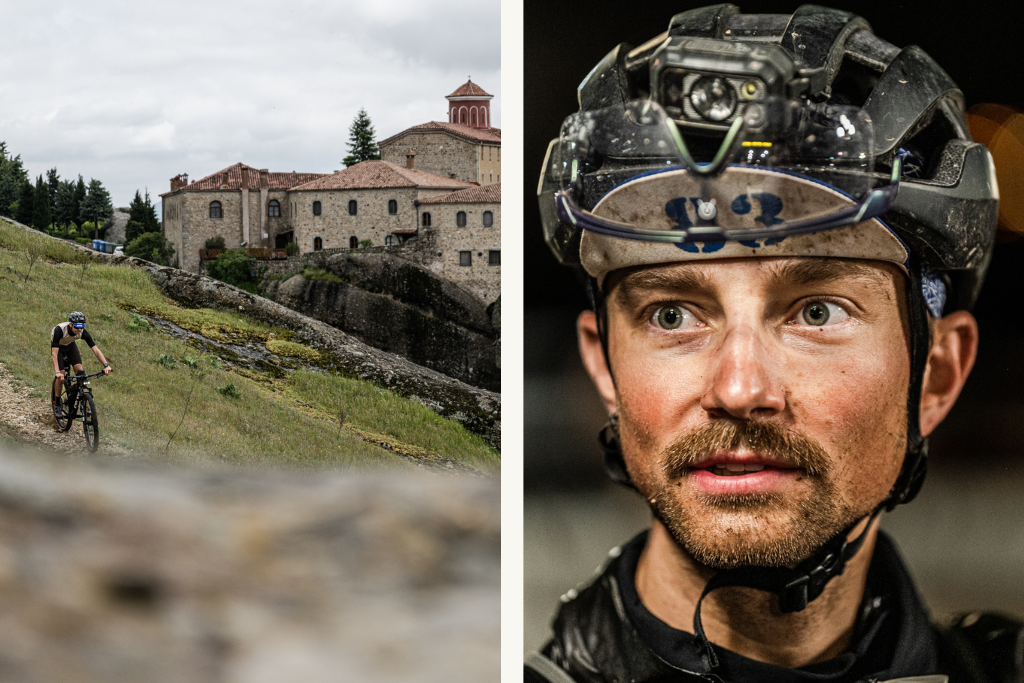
<point x="361" y="143"/>
<point x="141" y="212"/>
<point x="96" y="206"/>
<point x="12" y="177"/>
<point x="65" y="208"/>
<point x="53" y="183"/>
<point x="41" y="217"/>
<point x="25" y="203"/>
<point x="233" y="268"/>
<point x="132" y="230"/>
<point x="151" y="246"/>
<point x="79" y="198"/>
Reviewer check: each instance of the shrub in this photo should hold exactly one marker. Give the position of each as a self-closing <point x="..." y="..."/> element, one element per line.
<point x="151" y="246"/>
<point x="214" y="243"/>
<point x="83" y="240"/>
<point x="138" y="323"/>
<point x="190" y="361"/>
<point x="366" y="243"/>
<point x="231" y="391"/>
<point x="234" y="268"/>
<point x="311" y="273"/>
<point x="292" y="248"/>
<point x="167" y="361"/>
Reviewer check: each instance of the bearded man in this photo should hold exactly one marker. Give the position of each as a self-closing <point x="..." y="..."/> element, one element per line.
<point x="781" y="250"/>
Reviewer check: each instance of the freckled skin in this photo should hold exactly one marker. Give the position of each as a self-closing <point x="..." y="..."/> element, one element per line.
<point x="751" y="356"/>
<point x="745" y="352"/>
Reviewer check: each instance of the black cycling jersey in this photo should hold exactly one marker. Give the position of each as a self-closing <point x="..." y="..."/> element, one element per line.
<point x="606" y="634"/>
<point x="63" y="334"/>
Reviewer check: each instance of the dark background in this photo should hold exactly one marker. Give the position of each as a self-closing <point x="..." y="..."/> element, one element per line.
<point x="962" y="537"/>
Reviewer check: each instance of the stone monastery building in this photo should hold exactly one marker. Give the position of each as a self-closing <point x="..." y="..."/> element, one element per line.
<point x="435" y="198"/>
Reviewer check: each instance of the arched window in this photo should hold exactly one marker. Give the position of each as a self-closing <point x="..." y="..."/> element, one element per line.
<point x="426" y="220"/>
<point x="318" y="244"/>
<point x="353" y="207"/>
<point x="353" y="242"/>
<point x="317" y="208"/>
<point x="474" y="116"/>
<point x="460" y="219"/>
<point x="274" y="209"/>
<point x="462" y="116"/>
<point x="215" y="211"/>
<point x="393" y="206"/>
<point x="389" y="241"/>
<point x="488" y="219"/>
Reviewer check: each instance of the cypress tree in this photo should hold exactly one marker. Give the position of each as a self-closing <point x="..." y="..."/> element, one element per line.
<point x="361" y="143"/>
<point x="12" y="176"/>
<point x="96" y="206"/>
<point x="66" y="208"/>
<point x="41" y="217"/>
<point x="152" y="223"/>
<point x="79" y="198"/>
<point x="25" y="203"/>
<point x="53" y="181"/>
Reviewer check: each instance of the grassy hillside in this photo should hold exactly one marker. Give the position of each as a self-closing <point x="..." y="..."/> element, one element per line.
<point x="301" y="418"/>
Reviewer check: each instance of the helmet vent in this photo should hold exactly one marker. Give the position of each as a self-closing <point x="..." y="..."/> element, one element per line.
<point x="853" y="82"/>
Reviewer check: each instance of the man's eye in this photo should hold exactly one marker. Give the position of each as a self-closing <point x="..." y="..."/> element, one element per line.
<point x="673" y="318"/>
<point x="821" y="313"/>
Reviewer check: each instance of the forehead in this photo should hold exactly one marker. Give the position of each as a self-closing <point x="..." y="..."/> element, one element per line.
<point x="759" y="274"/>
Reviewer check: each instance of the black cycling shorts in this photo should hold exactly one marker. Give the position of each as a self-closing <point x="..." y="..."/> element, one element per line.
<point x="68" y="357"/>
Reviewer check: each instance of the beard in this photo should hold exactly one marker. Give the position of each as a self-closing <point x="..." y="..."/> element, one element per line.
<point x="766" y="529"/>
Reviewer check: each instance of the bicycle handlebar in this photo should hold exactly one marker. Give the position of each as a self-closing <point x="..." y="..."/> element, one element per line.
<point x="69" y="378"/>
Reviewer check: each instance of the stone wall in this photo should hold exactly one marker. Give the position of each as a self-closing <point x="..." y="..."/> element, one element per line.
<point x="436" y="152"/>
<point x="187" y="222"/>
<point x="336" y="227"/>
<point x="118" y="573"/>
<point x="482" y="279"/>
<point x="490" y="164"/>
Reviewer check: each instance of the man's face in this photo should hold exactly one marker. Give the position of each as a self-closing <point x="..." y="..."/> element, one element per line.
<point x="762" y="402"/>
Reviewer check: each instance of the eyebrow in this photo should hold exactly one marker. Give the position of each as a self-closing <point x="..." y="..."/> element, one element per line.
<point x="815" y="271"/>
<point x="631" y="284"/>
<point x="800" y="272"/>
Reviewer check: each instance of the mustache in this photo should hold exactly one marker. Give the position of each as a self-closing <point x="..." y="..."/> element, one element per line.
<point x="767" y="439"/>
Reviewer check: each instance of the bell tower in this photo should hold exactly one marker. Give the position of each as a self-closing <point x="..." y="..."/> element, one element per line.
<point x="470" y="106"/>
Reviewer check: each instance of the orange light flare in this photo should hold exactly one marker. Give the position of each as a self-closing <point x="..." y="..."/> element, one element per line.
<point x="1001" y="129"/>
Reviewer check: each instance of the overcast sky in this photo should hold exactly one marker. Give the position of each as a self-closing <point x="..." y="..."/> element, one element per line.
<point x="133" y="93"/>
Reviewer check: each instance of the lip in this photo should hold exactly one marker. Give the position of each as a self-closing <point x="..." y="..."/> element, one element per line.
<point x="776" y="476"/>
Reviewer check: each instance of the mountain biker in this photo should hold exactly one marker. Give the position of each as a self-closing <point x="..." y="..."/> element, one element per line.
<point x="64" y="353"/>
<point x="775" y="332"/>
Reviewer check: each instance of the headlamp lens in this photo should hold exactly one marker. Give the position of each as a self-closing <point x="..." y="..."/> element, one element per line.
<point x="713" y="98"/>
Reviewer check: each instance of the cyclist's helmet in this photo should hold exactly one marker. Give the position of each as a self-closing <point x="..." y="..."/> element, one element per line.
<point x="77" y="320"/>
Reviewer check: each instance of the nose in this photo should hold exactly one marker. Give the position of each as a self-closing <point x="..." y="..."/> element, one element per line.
<point x="744" y="381"/>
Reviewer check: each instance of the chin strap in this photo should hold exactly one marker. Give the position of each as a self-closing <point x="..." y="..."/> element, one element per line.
<point x="795" y="587"/>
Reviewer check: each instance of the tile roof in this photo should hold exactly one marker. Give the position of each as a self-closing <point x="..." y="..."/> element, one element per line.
<point x="372" y="174"/>
<point x="490" y="194"/>
<point x="491" y="135"/>
<point x="470" y="89"/>
<point x="276" y="181"/>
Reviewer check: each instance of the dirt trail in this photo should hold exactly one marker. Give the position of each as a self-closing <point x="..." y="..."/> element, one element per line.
<point x="26" y="417"/>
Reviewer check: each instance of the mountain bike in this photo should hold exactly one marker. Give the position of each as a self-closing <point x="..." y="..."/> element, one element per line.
<point x="83" y="407"/>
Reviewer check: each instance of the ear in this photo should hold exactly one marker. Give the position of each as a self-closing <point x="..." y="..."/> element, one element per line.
<point x="593" y="359"/>
<point x="950" y="359"/>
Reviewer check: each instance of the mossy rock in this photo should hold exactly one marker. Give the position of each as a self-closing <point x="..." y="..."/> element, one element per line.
<point x="289" y="349"/>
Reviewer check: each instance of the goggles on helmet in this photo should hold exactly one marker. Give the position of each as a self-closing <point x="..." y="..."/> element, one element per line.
<point x="783" y="167"/>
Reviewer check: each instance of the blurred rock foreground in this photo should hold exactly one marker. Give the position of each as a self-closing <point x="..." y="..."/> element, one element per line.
<point x="112" y="572"/>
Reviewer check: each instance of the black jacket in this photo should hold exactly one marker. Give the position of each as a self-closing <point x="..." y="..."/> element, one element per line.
<point x="605" y="635"/>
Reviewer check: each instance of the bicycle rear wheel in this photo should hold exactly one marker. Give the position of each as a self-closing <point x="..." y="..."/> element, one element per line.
<point x="90" y="424"/>
<point x="64" y="419"/>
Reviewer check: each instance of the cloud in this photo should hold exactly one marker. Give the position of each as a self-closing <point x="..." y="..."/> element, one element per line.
<point x="135" y="93"/>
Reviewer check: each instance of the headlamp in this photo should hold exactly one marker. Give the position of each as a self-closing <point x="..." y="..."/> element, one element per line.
<point x="708" y="83"/>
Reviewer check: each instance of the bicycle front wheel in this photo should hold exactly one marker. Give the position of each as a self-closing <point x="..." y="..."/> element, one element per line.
<point x="90" y="423"/>
<point x="64" y="418"/>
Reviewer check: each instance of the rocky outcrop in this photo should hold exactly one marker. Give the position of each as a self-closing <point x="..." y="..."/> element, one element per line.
<point x="388" y="320"/>
<point x="477" y="409"/>
<point x="118" y="223"/>
<point x="116" y="573"/>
